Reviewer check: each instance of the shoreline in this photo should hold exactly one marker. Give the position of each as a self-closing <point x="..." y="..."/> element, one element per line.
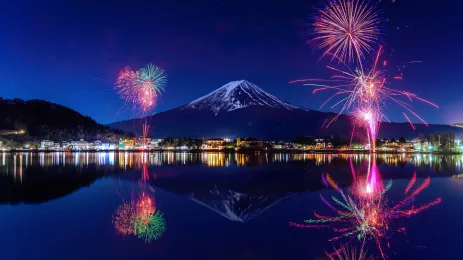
<point x="240" y="151"/>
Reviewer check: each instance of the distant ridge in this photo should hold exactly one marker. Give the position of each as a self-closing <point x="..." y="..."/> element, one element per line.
<point x="41" y="120"/>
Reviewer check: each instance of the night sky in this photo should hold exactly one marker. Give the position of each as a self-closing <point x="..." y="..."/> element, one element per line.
<point x="70" y="52"/>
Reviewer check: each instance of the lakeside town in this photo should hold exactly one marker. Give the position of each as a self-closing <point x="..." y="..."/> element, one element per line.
<point x="436" y="143"/>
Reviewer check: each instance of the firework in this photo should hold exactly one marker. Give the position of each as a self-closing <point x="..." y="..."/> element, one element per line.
<point x="141" y="88"/>
<point x="145" y="131"/>
<point x="144" y="173"/>
<point x="371" y="185"/>
<point x="145" y="205"/>
<point x="152" y="80"/>
<point x="346" y="28"/>
<point x="124" y="218"/>
<point x="366" y="217"/>
<point x="150" y="227"/>
<point x="365" y="93"/>
<point x="127" y="85"/>
<point x="349" y="253"/>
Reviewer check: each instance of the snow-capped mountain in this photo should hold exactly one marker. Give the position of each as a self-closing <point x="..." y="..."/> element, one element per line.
<point x="235" y="95"/>
<point x="240" y="109"/>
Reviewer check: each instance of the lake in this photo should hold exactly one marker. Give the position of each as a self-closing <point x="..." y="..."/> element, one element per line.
<point x="230" y="206"/>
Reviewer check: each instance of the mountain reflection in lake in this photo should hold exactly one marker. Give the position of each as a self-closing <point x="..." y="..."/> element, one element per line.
<point x="220" y="205"/>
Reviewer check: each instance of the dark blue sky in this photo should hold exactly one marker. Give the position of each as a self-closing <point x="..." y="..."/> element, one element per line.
<point x="70" y="52"/>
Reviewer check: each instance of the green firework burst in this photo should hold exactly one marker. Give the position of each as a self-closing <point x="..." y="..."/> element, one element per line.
<point x="150" y="227"/>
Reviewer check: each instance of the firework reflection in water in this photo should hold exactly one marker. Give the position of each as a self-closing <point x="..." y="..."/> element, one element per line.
<point x="363" y="213"/>
<point x="139" y="216"/>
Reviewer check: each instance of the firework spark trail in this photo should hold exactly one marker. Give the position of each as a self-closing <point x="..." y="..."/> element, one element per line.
<point x="293" y="224"/>
<point x="349" y="253"/>
<point x="346" y="28"/>
<point x="328" y="204"/>
<point x="410" y="184"/>
<point x="324" y="123"/>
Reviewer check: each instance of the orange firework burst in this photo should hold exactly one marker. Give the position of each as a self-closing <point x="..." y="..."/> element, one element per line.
<point x="124" y="218"/>
<point x="146" y="206"/>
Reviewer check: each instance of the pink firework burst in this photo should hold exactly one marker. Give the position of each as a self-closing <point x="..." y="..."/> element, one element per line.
<point x="127" y="85"/>
<point x="347" y="29"/>
<point x="364" y="93"/>
<point x="141" y="88"/>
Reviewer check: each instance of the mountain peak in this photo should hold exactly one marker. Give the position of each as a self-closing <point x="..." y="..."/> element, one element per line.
<point x="235" y="95"/>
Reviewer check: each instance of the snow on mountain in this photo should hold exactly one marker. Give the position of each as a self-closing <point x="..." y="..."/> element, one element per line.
<point x="237" y="206"/>
<point x="235" y="95"/>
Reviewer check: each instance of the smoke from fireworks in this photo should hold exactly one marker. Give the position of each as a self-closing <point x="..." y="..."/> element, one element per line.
<point x="347" y="29"/>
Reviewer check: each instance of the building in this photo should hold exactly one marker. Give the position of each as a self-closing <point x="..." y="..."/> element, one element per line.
<point x="213" y="144"/>
<point x="127" y="144"/>
<point x="156" y="142"/>
<point x="98" y="145"/>
<point x="47" y="144"/>
<point x="81" y="145"/>
<point x="66" y="145"/>
<point x="143" y="142"/>
<point x="321" y="143"/>
<point x="249" y="142"/>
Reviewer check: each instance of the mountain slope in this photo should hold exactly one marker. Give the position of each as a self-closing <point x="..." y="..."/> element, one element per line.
<point x="235" y="95"/>
<point x="240" y="108"/>
<point x="45" y="120"/>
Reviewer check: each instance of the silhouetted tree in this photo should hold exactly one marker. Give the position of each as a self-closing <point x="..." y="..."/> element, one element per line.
<point x="45" y="120"/>
<point x="379" y="142"/>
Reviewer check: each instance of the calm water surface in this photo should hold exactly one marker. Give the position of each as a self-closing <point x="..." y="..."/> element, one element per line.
<point x="225" y="206"/>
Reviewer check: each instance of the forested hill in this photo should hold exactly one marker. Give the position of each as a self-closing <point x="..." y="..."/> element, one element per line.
<point x="45" y="120"/>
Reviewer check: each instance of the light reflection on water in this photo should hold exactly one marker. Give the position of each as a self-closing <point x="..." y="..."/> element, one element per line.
<point x="16" y="162"/>
<point x="255" y="189"/>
